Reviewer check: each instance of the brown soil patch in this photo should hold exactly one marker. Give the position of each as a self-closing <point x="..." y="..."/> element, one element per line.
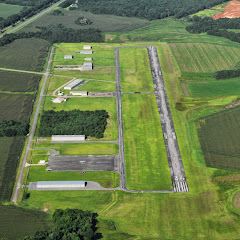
<point x="236" y="201"/>
<point x="109" y="37"/>
<point x="232" y="10"/>
<point x="233" y="178"/>
<point x="45" y="208"/>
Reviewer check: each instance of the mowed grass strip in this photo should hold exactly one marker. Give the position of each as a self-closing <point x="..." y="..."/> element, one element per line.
<point x="106" y="179"/>
<point x="135" y="70"/>
<point x="219" y="135"/>
<point x="81" y="148"/>
<point x="202" y="57"/>
<point x="145" y="155"/>
<point x="91" y="104"/>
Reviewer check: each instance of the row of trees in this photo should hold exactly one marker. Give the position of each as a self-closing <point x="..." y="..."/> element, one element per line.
<point x="70" y="224"/>
<point x="67" y="3"/>
<point x="57" y="33"/>
<point x="149" y="9"/>
<point x="12" y="128"/>
<point x="26" y="12"/>
<point x="215" y="27"/>
<point x="75" y="122"/>
<point x="227" y="74"/>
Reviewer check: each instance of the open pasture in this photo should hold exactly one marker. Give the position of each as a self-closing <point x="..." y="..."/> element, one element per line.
<point x="145" y="155"/>
<point x="24" y="54"/>
<point x="16" y="107"/>
<point x="135" y="70"/>
<point x="197" y="57"/>
<point x="91" y="104"/>
<point x="7" y="10"/>
<point x="106" y="179"/>
<point x="106" y="23"/>
<point x="219" y="135"/>
<point x="18" y="82"/>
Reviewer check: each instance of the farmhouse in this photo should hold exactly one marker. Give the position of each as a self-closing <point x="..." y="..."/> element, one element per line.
<point x="59" y="100"/>
<point x="86" y="51"/>
<point x="73" y="84"/>
<point x="88" y="59"/>
<point x="87" y="47"/>
<point x="79" y="93"/>
<point x="87" y="66"/>
<point x="60" y="184"/>
<point x="68" y="56"/>
<point x="68" y="138"/>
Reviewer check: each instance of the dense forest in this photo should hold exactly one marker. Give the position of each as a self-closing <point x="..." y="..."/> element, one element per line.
<point x="149" y="9"/>
<point x="56" y="34"/>
<point x="75" y="122"/>
<point x="12" y="128"/>
<point x="224" y="74"/>
<point x="26" y="12"/>
<point x="217" y="27"/>
<point x="70" y="224"/>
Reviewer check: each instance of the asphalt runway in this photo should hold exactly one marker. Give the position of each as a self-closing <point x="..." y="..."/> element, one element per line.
<point x="82" y="163"/>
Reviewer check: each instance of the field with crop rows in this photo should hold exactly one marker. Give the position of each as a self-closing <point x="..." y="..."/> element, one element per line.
<point x="135" y="70"/>
<point x="8" y="9"/>
<point x="197" y="57"/>
<point x="24" y="54"/>
<point x="106" y="23"/>
<point x="219" y="135"/>
<point x="18" y="82"/>
<point x="145" y="155"/>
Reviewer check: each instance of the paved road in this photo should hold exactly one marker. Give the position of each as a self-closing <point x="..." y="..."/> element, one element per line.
<point x="32" y="18"/>
<point x="174" y="157"/>
<point x="32" y="129"/>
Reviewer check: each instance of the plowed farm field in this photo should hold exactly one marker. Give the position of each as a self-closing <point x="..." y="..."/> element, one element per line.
<point x="232" y="10"/>
<point x="200" y="57"/>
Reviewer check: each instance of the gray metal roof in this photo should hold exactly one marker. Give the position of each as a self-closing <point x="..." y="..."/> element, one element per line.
<point x="87" y="64"/>
<point x="60" y="182"/>
<point x="74" y="83"/>
<point x="76" y="136"/>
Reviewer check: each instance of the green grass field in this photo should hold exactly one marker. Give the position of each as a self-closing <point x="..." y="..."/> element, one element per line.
<point x="7" y="10"/>
<point x="197" y="57"/>
<point x="80" y="148"/>
<point x="135" y="70"/>
<point x="106" y="23"/>
<point x="219" y="136"/>
<point x="18" y="82"/>
<point x="145" y="155"/>
<point x="91" y="104"/>
<point x="106" y="179"/>
<point x="24" y="54"/>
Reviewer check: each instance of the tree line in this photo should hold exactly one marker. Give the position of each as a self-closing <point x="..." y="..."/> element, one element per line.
<point x="70" y="224"/>
<point x="26" y="12"/>
<point x="12" y="128"/>
<point x="224" y="74"/>
<point x="75" y="122"/>
<point x="148" y="9"/>
<point x="217" y="27"/>
<point x="56" y="34"/>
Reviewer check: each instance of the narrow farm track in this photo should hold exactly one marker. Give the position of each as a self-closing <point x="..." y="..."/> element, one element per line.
<point x="22" y="71"/>
<point x="31" y="134"/>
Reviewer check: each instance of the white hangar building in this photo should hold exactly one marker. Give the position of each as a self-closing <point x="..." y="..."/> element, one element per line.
<point x="68" y="56"/>
<point x="60" y="184"/>
<point x="86" y="51"/>
<point x="87" y="47"/>
<point x="73" y="84"/>
<point x="68" y="138"/>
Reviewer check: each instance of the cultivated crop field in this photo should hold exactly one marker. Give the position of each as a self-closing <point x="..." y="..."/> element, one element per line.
<point x="197" y="57"/>
<point x="219" y="135"/>
<point x="145" y="155"/>
<point x="24" y="54"/>
<point x="8" y="9"/>
<point x="19" y="82"/>
<point x="106" y="23"/>
<point x="135" y="70"/>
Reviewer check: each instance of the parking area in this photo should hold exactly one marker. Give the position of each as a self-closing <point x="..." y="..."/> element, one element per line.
<point x="82" y="163"/>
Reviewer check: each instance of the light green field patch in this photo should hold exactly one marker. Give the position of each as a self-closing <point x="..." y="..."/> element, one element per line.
<point x="99" y="86"/>
<point x="145" y="155"/>
<point x="135" y="70"/>
<point x="80" y="148"/>
<point x="198" y="57"/>
<point x="106" y="179"/>
<point x="91" y="104"/>
<point x="7" y="10"/>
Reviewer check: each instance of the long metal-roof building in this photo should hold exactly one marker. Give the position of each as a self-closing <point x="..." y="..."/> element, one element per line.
<point x="87" y="47"/>
<point x="87" y="66"/>
<point x="86" y="51"/>
<point x="60" y="184"/>
<point x="68" y="56"/>
<point x="73" y="84"/>
<point x="68" y="138"/>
